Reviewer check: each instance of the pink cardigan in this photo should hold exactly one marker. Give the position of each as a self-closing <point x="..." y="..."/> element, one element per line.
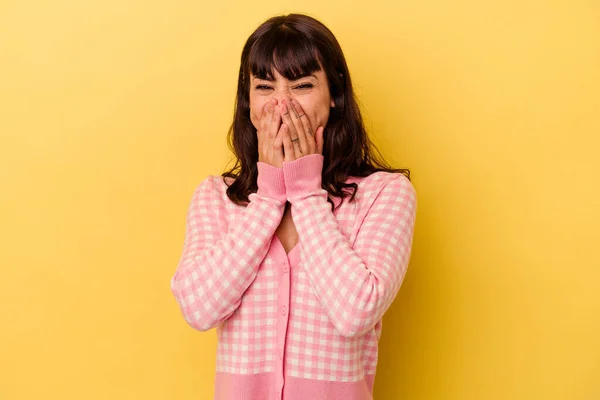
<point x="303" y="325"/>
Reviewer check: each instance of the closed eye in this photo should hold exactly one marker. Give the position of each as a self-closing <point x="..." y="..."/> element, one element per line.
<point x="304" y="86"/>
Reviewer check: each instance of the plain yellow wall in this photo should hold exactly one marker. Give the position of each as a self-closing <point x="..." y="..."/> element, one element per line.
<point x="112" y="112"/>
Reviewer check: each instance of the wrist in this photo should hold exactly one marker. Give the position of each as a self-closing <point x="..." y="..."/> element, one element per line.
<point x="270" y="182"/>
<point x="303" y="175"/>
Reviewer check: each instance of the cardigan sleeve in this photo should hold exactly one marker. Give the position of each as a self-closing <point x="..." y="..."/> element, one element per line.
<point x="355" y="283"/>
<point x="217" y="267"/>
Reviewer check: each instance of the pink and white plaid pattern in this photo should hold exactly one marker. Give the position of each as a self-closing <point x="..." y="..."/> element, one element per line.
<point x="350" y="266"/>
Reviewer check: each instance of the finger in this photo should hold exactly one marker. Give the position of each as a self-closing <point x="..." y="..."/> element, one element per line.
<point x="319" y="139"/>
<point x="273" y="132"/>
<point x="274" y="124"/>
<point x="286" y="115"/>
<point x="271" y="118"/>
<point x="276" y="147"/>
<point x="265" y="117"/>
<point x="278" y="140"/>
<point x="302" y="146"/>
<point x="263" y="128"/>
<point x="303" y="127"/>
<point x="288" y="146"/>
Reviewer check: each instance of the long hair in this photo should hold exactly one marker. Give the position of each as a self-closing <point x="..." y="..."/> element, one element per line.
<point x="297" y="45"/>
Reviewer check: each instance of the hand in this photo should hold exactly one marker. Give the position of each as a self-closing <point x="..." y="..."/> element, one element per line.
<point x="298" y="138"/>
<point x="270" y="138"/>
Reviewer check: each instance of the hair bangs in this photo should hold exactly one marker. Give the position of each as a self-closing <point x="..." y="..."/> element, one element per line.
<point x="286" y="51"/>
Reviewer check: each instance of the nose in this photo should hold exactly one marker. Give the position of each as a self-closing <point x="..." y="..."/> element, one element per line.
<point x="282" y="94"/>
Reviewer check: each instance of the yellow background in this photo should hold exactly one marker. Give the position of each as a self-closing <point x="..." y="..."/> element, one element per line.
<point x="112" y="112"/>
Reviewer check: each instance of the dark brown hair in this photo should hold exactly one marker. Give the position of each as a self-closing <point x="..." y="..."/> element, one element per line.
<point x="297" y="45"/>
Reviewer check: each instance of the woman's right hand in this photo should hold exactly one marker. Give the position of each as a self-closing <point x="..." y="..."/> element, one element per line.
<point x="270" y="135"/>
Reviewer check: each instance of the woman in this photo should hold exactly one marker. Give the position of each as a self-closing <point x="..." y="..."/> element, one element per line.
<point x="295" y="254"/>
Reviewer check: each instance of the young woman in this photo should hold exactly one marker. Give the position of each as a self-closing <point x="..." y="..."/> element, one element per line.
<point x="296" y="253"/>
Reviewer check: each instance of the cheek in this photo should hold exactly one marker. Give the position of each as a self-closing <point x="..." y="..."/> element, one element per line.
<point x="256" y="106"/>
<point x="324" y="114"/>
<point x="317" y="111"/>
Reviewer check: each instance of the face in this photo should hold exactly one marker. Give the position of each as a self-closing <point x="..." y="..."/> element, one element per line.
<point x="312" y="92"/>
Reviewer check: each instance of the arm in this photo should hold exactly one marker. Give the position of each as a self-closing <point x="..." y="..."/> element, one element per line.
<point x="216" y="268"/>
<point x="355" y="284"/>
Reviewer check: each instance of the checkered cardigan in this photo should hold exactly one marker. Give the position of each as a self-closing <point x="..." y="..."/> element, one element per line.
<point x="303" y="325"/>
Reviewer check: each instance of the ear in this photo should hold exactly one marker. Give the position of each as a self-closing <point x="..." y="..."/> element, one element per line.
<point x="332" y="104"/>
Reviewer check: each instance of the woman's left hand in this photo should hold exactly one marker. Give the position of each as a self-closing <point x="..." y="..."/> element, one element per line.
<point x="299" y="138"/>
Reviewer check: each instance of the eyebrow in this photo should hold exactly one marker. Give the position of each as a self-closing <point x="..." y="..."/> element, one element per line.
<point x="272" y="80"/>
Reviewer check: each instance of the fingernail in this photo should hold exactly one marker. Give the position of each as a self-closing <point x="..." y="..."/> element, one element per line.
<point x="284" y="108"/>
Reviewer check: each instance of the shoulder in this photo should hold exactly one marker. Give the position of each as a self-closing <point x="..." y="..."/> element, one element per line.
<point x="390" y="182"/>
<point x="212" y="189"/>
<point x="383" y="190"/>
